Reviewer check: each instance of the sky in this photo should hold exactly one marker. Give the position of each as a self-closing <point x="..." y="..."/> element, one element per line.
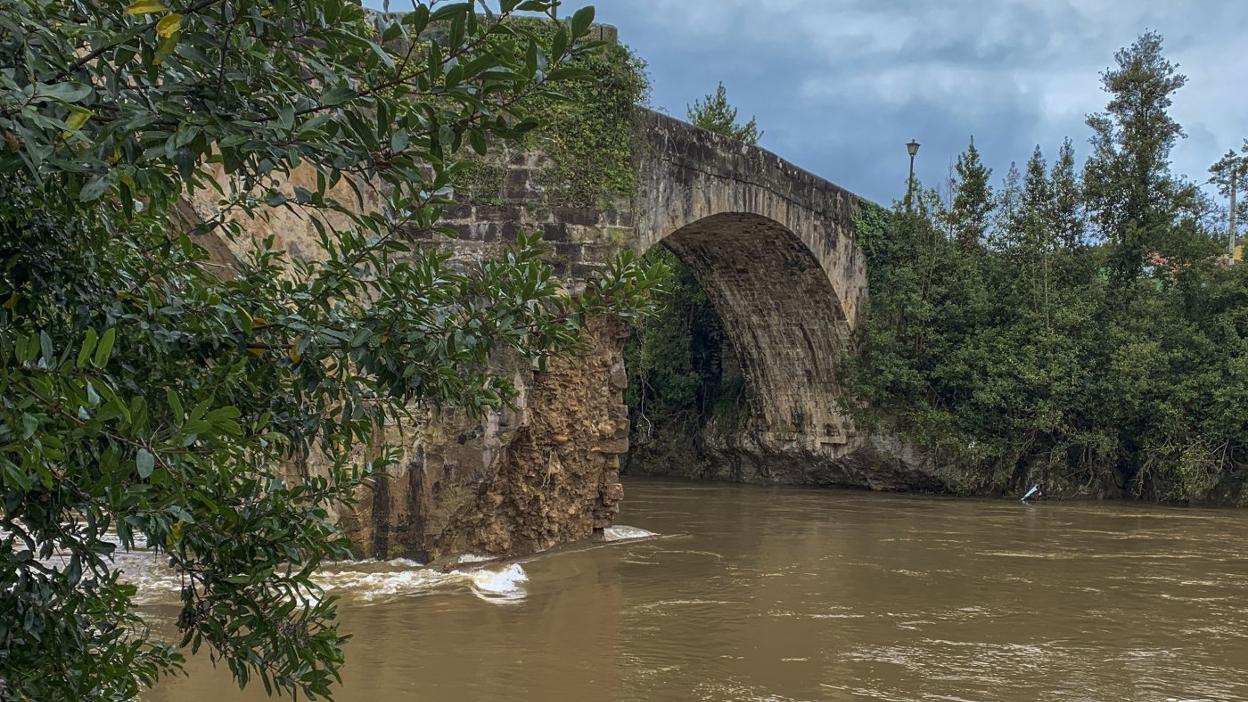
<point x="839" y="86"/>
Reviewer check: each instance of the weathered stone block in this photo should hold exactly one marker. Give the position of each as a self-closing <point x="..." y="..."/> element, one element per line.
<point x="555" y="232"/>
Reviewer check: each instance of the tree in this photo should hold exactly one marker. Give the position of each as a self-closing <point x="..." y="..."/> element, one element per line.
<point x="1007" y="208"/>
<point x="972" y="198"/>
<point x="1131" y="193"/>
<point x="149" y="395"/>
<point x="1230" y="174"/>
<point x="1033" y="222"/>
<point x="714" y="113"/>
<point x="1051" y="356"/>
<point x="1067" y="212"/>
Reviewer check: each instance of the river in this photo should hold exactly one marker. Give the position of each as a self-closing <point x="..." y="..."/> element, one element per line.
<point x="777" y="594"/>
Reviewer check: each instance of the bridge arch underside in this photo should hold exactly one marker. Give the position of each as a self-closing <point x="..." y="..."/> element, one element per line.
<point x="789" y="330"/>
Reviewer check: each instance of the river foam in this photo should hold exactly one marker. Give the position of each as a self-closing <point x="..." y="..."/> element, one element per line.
<point x="500" y="586"/>
<point x="369" y="582"/>
<point x="361" y="582"/>
<point x="621" y="532"/>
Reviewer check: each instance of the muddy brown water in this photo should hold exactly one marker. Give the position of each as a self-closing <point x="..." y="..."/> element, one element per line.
<point x="787" y="594"/>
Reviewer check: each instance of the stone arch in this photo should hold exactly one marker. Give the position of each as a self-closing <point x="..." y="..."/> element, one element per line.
<point x="783" y="319"/>
<point x="686" y="174"/>
<point x="774" y="248"/>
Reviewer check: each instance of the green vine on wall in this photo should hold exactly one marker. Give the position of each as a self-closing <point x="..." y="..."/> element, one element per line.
<point x="588" y="141"/>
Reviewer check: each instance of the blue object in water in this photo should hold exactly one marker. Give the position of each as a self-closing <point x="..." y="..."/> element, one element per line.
<point x="1033" y="492"/>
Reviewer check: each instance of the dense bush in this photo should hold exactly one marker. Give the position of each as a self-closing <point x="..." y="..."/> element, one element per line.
<point x="1075" y="329"/>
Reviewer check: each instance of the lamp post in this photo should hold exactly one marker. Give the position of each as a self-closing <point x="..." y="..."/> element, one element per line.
<point x="913" y="148"/>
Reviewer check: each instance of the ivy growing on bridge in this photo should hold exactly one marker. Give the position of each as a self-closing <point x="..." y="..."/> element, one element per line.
<point x="588" y="131"/>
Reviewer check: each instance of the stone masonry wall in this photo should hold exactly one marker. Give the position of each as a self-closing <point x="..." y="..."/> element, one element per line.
<point x="581" y="239"/>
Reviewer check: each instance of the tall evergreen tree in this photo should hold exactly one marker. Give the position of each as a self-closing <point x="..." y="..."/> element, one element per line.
<point x="1004" y="234"/>
<point x="1230" y="174"/>
<point x="1035" y="230"/>
<point x="714" y="113"/>
<point x="1131" y="193"/>
<point x="1035" y="200"/>
<point x="1067" y="211"/>
<point x="972" y="198"/>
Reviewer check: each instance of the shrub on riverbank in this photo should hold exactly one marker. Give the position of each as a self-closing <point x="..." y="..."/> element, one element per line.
<point x="1078" y="329"/>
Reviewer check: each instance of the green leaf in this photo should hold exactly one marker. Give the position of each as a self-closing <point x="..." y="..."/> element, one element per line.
<point x="338" y="95"/>
<point x="30" y="424"/>
<point x="393" y="31"/>
<point x="530" y="58"/>
<point x="94" y="188"/>
<point x="477" y="140"/>
<point x="417" y="19"/>
<point x="286" y="116"/>
<point x="398" y="141"/>
<point x="560" y="42"/>
<point x="145" y="7"/>
<point x="459" y="8"/>
<point x="145" y="462"/>
<point x="105" y="348"/>
<point x="175" y="403"/>
<point x="88" y="345"/>
<point x="45" y="346"/>
<point x="582" y="20"/>
<point x="64" y="92"/>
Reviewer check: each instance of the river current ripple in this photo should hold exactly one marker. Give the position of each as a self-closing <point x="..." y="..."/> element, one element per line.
<point x="784" y="594"/>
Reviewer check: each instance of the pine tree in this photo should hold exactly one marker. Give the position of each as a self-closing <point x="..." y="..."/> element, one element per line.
<point x="1131" y="194"/>
<point x="1035" y="229"/>
<point x="1006" y="234"/>
<point x="972" y="198"/>
<point x="1066" y="207"/>
<point x="714" y="113"/>
<point x="1230" y="174"/>
<point x="1036" y="199"/>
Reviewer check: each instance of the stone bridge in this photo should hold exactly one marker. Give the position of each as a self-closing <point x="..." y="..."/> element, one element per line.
<point x="774" y="248"/>
<point x="772" y="245"/>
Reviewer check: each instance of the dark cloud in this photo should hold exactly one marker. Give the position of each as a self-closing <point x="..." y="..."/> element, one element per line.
<point x="839" y="86"/>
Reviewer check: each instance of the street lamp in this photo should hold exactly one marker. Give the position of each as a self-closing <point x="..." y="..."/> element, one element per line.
<point x="912" y="148"/>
